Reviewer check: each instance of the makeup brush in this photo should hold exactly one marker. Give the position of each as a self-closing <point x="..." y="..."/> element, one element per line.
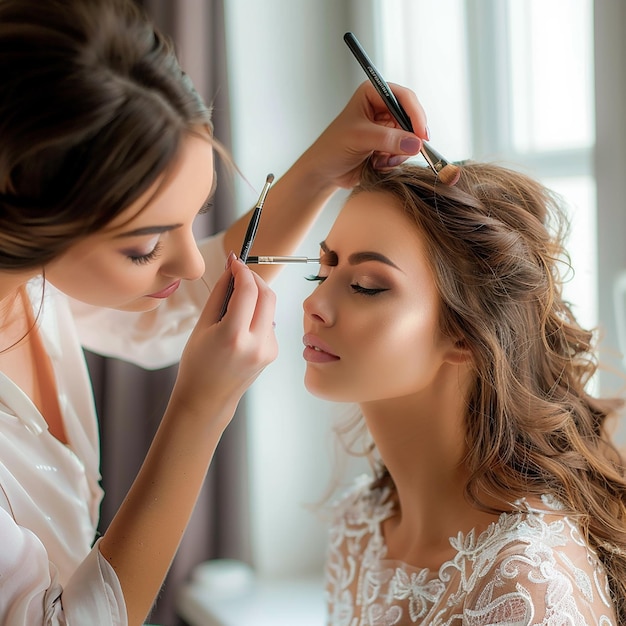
<point x="280" y="260"/>
<point x="248" y="240"/>
<point x="448" y="173"/>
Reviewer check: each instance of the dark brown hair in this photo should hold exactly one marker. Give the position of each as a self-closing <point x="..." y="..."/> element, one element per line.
<point x="93" y="107"/>
<point x="494" y="241"/>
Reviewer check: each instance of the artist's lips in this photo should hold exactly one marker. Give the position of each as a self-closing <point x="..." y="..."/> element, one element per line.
<point x="164" y="293"/>
<point x="316" y="351"/>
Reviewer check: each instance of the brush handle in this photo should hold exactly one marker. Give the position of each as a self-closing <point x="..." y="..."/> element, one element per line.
<point x="280" y="260"/>
<point x="395" y="108"/>
<point x="229" y="293"/>
<point x="248" y="240"/>
<point x="245" y="249"/>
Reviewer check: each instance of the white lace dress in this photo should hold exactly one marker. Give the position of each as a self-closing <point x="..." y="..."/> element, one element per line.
<point x="530" y="567"/>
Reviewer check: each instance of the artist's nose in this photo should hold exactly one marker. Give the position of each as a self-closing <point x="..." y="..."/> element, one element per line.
<point x="184" y="258"/>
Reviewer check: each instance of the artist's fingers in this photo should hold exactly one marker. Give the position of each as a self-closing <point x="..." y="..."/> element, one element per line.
<point x="243" y="298"/>
<point x="398" y="144"/>
<point x="386" y="133"/>
<point x="382" y="161"/>
<point x="408" y="100"/>
<point x="252" y="302"/>
<point x="263" y="320"/>
<point x="213" y="307"/>
<point x="413" y="108"/>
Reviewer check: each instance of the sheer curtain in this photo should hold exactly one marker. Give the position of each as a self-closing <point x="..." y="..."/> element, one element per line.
<point x="130" y="400"/>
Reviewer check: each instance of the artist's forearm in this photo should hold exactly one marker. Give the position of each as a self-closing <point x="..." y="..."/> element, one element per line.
<point x="291" y="207"/>
<point x="145" y="534"/>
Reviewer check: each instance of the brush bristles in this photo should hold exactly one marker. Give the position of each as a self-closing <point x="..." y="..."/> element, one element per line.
<point x="449" y="174"/>
<point x="270" y="179"/>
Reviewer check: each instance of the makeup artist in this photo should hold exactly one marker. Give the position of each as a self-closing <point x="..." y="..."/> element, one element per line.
<point x="105" y="160"/>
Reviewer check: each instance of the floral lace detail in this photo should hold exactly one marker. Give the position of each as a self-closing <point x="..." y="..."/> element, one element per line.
<point x="532" y="566"/>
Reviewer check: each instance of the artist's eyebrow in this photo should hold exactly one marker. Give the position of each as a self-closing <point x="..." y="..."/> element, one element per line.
<point x="148" y="230"/>
<point x="208" y="203"/>
<point x="362" y="257"/>
<point x="154" y="230"/>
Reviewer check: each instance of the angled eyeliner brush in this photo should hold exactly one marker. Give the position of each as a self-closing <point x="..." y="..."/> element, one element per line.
<point x="248" y="240"/>
<point x="447" y="173"/>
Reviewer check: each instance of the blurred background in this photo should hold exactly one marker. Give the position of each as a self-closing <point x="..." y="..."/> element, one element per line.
<point x="533" y="85"/>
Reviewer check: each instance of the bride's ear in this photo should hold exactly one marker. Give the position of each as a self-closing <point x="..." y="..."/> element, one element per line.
<point x="459" y="352"/>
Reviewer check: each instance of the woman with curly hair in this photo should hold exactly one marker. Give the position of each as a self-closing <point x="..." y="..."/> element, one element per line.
<point x="497" y="496"/>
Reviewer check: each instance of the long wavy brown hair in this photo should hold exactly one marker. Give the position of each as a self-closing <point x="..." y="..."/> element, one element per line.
<point x="494" y="242"/>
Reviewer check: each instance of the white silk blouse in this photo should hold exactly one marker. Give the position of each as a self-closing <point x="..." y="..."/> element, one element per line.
<point x="51" y="571"/>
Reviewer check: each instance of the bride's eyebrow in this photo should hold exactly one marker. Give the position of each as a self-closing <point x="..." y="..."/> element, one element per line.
<point x="329" y="257"/>
<point x="357" y="257"/>
<point x="363" y="257"/>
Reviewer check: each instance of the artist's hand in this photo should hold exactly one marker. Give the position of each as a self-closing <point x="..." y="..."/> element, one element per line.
<point x="365" y="127"/>
<point x="223" y="357"/>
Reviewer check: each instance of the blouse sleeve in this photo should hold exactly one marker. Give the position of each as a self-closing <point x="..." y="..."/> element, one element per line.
<point x="156" y="338"/>
<point x="30" y="592"/>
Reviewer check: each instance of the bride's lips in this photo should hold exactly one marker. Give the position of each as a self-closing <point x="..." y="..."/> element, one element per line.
<point x="164" y="293"/>
<point x="316" y="351"/>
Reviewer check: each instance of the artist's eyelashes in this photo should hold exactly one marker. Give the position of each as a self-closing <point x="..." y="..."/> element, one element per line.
<point x="366" y="291"/>
<point x="206" y="207"/>
<point x="142" y="259"/>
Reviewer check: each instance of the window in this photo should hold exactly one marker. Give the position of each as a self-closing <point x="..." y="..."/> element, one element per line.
<point x="511" y="82"/>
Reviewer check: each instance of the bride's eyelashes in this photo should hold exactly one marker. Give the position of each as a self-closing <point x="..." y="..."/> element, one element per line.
<point x="356" y="287"/>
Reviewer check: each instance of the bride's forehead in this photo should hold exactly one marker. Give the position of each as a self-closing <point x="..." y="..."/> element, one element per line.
<point x="372" y="214"/>
<point x="376" y="225"/>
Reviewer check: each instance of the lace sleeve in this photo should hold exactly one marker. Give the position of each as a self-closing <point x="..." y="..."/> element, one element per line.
<point x="540" y="585"/>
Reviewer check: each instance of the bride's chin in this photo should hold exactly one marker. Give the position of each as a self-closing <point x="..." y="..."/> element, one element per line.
<point x="315" y="388"/>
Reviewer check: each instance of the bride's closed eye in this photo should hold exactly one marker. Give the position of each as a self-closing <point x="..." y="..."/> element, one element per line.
<point x="356" y="287"/>
<point x="367" y="291"/>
